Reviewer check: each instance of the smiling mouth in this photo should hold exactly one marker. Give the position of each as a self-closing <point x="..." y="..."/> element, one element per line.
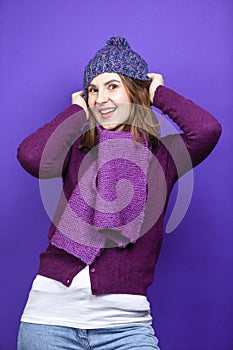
<point x="107" y="111"/>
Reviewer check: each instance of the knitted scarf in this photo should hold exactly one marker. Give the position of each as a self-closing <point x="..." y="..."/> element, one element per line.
<point x="106" y="207"/>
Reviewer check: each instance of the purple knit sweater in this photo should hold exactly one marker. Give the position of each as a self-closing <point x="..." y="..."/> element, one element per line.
<point x="128" y="270"/>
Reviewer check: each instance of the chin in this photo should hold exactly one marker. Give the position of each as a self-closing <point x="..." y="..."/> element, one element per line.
<point x="113" y="126"/>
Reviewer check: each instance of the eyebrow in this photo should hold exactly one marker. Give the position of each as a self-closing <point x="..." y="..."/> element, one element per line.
<point x="108" y="82"/>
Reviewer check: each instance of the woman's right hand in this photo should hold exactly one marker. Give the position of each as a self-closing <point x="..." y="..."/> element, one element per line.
<point x="79" y="100"/>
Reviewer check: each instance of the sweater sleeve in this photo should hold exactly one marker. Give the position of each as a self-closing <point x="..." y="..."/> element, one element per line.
<point x="200" y="130"/>
<point x="45" y="153"/>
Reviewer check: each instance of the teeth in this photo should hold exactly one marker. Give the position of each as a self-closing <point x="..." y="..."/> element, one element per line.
<point x="108" y="110"/>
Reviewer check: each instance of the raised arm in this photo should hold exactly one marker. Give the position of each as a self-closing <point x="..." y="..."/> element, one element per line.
<point x="45" y="153"/>
<point x="201" y="131"/>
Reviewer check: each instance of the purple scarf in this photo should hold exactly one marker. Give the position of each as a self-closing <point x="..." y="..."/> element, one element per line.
<point x="106" y="208"/>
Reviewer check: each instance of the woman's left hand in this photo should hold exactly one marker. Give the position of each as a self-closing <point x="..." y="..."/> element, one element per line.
<point x="157" y="79"/>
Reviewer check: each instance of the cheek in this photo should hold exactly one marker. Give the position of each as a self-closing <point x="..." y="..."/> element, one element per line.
<point x="90" y="102"/>
<point x="126" y="97"/>
<point x="122" y="97"/>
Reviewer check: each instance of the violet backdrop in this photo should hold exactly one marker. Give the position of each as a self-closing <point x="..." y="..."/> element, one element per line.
<point x="45" y="46"/>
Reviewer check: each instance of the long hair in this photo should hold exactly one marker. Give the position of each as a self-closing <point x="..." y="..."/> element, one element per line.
<point x="142" y="121"/>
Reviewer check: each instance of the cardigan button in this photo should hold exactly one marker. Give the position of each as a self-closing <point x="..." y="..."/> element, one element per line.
<point x="68" y="281"/>
<point x="92" y="269"/>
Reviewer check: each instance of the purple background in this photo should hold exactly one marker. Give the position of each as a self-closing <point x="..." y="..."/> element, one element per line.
<point x="44" y="48"/>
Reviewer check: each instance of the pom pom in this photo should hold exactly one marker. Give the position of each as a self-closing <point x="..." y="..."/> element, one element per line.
<point x="119" y="42"/>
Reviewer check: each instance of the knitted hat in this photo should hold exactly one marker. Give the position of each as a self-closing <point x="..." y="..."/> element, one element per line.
<point x="115" y="56"/>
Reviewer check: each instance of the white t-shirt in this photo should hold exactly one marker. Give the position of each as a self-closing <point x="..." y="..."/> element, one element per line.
<point x="52" y="303"/>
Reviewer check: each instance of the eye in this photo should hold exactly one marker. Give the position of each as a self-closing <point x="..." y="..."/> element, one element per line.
<point x="112" y="86"/>
<point x="92" y="90"/>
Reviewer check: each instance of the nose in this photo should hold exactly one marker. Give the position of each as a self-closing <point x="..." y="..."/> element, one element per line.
<point x="102" y="96"/>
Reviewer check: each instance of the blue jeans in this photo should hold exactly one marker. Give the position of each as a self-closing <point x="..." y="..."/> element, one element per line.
<point x="133" y="336"/>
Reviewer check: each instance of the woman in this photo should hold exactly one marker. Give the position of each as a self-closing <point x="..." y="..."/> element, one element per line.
<point x="91" y="288"/>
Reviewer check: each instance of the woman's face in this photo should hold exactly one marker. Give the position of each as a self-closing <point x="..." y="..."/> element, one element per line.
<point x="109" y="101"/>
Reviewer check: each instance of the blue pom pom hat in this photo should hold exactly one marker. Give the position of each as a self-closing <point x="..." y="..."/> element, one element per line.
<point x="116" y="56"/>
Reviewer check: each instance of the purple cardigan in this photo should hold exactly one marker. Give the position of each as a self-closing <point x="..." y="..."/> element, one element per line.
<point x="128" y="270"/>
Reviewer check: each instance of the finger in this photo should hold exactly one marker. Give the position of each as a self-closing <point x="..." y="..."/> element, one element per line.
<point x="154" y="75"/>
<point x="151" y="75"/>
<point x="77" y="93"/>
